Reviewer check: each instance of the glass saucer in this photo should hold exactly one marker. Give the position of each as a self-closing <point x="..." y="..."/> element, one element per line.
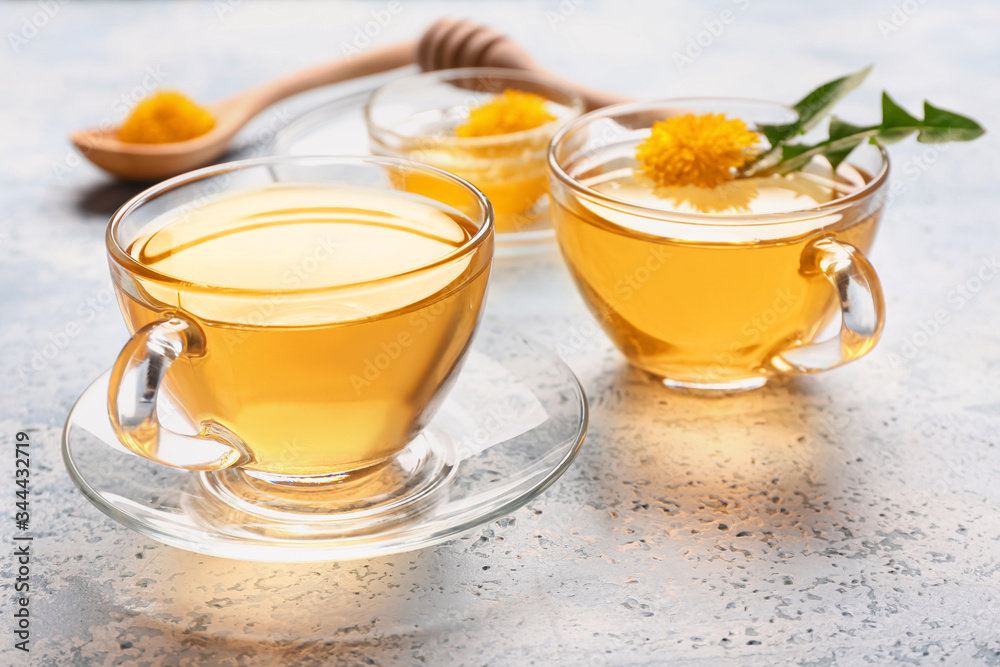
<point x="338" y="128"/>
<point x="508" y="429"/>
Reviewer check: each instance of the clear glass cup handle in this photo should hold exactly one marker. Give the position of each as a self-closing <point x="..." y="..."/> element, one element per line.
<point x="862" y="308"/>
<point x="134" y="385"/>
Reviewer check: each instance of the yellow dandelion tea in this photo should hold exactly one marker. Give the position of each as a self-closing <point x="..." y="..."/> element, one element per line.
<point x="513" y="111"/>
<point x="165" y="117"/>
<point x="699" y="150"/>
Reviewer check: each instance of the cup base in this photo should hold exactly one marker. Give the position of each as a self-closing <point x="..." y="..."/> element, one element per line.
<point x="715" y="389"/>
<point x="311" y="482"/>
<point x="278" y="506"/>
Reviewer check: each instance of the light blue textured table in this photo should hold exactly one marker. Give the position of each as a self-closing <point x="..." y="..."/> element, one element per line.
<point x="850" y="518"/>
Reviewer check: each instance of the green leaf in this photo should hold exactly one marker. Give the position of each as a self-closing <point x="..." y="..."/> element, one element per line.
<point x="886" y="137"/>
<point x="894" y="115"/>
<point x="816" y="105"/>
<point x="810" y="110"/>
<point x="940" y="126"/>
<point x="841" y="128"/>
<point x="837" y="156"/>
<point x="835" y="150"/>
<point x="775" y="134"/>
<point x="813" y="107"/>
<point x="791" y="151"/>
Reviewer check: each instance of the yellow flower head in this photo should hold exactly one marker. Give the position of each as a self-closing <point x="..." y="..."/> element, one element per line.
<point x="700" y="150"/>
<point x="514" y="111"/>
<point x="165" y="117"/>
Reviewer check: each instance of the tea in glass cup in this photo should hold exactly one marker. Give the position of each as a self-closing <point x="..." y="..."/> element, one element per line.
<point x="718" y="288"/>
<point x="490" y="126"/>
<point x="309" y="314"/>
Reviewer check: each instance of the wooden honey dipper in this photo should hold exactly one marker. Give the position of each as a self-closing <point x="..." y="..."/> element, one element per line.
<point x="451" y="43"/>
<point x="447" y="44"/>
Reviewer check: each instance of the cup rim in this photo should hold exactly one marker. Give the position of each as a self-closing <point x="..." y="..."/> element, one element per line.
<point x="131" y="265"/>
<point x="704" y="219"/>
<point x="576" y="103"/>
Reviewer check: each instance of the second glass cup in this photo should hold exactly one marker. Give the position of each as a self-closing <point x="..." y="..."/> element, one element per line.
<point x="714" y="291"/>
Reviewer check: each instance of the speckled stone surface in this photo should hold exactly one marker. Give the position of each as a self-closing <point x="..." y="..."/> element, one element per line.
<point x="850" y="518"/>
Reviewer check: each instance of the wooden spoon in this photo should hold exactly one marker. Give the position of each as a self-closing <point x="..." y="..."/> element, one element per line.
<point x="142" y="162"/>
<point x="447" y="44"/>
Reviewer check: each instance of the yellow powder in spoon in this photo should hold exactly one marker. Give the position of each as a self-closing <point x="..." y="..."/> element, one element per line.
<point x="165" y="117"/>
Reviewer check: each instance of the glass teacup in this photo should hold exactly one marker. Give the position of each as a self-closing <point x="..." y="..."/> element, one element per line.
<point x="308" y="314"/>
<point x="712" y="292"/>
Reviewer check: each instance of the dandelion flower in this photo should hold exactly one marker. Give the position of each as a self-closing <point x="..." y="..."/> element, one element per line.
<point x="700" y="150"/>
